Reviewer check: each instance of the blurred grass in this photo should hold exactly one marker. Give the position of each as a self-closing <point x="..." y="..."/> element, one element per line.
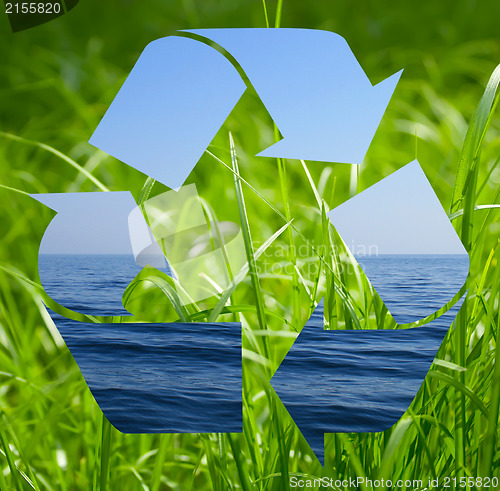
<point x="57" y="80"/>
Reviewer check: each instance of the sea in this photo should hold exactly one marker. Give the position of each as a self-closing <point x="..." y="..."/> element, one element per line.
<point x="186" y="377"/>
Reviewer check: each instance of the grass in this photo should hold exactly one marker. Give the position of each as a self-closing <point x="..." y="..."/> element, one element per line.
<point x="60" y="79"/>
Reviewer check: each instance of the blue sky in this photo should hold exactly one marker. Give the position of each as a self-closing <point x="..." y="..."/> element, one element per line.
<point x="88" y="223"/>
<point x="400" y="214"/>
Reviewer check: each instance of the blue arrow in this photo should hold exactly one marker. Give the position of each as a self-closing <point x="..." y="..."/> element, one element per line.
<point x="161" y="378"/>
<point x="355" y="381"/>
<point x="169" y="109"/>
<point x="314" y="89"/>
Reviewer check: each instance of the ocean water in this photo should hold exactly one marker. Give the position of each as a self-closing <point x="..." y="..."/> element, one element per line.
<point x="415" y="286"/>
<point x="355" y="381"/>
<point x="161" y="378"/>
<point x="187" y="377"/>
<point x="89" y="284"/>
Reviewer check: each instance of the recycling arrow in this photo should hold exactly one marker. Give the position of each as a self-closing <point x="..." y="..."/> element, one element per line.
<point x="330" y="381"/>
<point x="168" y="369"/>
<point x="181" y="90"/>
<point x="330" y="369"/>
<point x="314" y="89"/>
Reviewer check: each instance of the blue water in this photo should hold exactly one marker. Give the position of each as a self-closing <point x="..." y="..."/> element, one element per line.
<point x="355" y="381"/>
<point x="160" y="378"/>
<point x="90" y="284"/>
<point x="413" y="287"/>
<point x="187" y="377"/>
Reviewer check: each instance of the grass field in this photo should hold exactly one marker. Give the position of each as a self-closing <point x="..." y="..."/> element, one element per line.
<point x="57" y="80"/>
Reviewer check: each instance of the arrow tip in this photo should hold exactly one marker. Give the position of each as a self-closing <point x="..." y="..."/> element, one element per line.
<point x="340" y="132"/>
<point x="51" y="200"/>
<point x="305" y="420"/>
<point x="388" y="86"/>
<point x="317" y="443"/>
<point x="314" y="436"/>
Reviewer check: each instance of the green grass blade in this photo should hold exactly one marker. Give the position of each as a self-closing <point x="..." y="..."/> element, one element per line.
<point x="247" y="239"/>
<point x="59" y="154"/>
<point x="146" y="191"/>
<point x="105" y="454"/>
<point x="474" y="139"/>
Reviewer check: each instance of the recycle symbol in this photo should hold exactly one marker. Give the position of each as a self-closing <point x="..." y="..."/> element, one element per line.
<point x="171" y="106"/>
